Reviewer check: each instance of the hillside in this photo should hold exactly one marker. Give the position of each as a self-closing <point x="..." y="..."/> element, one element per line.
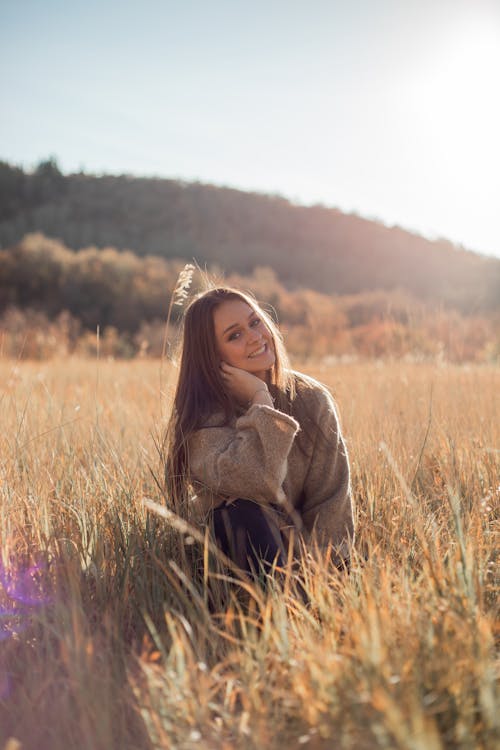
<point x="316" y="247"/>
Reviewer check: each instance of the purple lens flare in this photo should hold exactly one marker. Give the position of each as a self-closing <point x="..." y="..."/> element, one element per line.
<point x="22" y="592"/>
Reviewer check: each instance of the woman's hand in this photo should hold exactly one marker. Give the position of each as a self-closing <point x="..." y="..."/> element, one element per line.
<point x="245" y="387"/>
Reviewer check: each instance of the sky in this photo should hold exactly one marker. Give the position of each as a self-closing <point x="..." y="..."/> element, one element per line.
<point x="386" y="108"/>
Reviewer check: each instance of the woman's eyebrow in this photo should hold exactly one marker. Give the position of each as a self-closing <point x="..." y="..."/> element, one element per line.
<point x="235" y="325"/>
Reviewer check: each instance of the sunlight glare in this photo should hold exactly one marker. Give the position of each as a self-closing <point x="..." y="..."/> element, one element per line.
<point x="457" y="96"/>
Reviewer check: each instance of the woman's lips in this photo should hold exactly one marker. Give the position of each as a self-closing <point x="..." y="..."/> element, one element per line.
<point x="258" y="352"/>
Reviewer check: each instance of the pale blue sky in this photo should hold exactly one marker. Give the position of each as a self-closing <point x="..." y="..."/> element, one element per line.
<point x="389" y="108"/>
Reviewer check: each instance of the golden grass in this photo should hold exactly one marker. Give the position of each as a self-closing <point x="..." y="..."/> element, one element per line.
<point x="114" y="637"/>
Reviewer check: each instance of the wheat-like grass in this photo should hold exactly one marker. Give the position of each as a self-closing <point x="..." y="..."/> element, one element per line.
<point x="120" y="631"/>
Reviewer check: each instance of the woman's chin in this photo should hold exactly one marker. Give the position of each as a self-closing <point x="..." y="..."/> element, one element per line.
<point x="265" y="365"/>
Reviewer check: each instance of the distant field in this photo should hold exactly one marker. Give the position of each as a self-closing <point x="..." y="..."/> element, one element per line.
<point x="110" y="631"/>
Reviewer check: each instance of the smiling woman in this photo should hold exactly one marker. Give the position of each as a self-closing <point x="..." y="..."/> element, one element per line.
<point x="254" y="449"/>
<point x="243" y="340"/>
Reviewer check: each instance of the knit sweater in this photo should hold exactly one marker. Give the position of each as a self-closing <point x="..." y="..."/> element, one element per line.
<point x="303" y="486"/>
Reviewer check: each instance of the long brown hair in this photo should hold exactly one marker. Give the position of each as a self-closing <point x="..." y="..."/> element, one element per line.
<point x="201" y="392"/>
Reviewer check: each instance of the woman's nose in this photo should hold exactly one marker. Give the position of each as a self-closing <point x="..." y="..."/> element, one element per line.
<point x="253" y="336"/>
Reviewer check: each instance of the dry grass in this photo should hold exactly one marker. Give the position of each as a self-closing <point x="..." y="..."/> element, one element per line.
<point x="112" y="636"/>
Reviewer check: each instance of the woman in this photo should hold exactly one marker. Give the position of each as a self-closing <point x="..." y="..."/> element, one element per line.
<point x="259" y="444"/>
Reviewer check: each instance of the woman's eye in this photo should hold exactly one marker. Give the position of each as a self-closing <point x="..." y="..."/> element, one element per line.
<point x="233" y="335"/>
<point x="255" y="322"/>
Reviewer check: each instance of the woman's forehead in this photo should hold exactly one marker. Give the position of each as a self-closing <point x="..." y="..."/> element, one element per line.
<point x="231" y="312"/>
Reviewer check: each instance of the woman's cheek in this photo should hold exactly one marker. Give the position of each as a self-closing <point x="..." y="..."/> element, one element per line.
<point x="234" y="355"/>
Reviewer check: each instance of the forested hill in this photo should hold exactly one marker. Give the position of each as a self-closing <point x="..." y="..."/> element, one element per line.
<point x="316" y="247"/>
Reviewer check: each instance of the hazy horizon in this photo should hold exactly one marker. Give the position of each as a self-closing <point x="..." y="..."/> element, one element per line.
<point x="297" y="202"/>
<point x="386" y="112"/>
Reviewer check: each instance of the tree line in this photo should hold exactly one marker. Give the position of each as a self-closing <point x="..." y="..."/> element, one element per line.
<point x="54" y="299"/>
<point x="307" y="246"/>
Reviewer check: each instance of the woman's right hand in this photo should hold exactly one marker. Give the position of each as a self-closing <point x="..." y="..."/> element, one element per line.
<point x="246" y="388"/>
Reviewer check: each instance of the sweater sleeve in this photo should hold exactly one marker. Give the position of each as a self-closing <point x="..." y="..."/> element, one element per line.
<point x="248" y="460"/>
<point x="326" y="508"/>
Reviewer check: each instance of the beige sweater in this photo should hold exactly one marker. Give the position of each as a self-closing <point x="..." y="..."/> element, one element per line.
<point x="258" y="457"/>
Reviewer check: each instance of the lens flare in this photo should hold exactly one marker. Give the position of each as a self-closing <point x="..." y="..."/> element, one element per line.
<point x="22" y="592"/>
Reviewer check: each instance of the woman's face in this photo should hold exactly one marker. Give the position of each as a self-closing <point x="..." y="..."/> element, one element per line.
<point x="242" y="338"/>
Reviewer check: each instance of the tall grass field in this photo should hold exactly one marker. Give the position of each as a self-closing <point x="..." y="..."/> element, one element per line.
<point x="120" y="629"/>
